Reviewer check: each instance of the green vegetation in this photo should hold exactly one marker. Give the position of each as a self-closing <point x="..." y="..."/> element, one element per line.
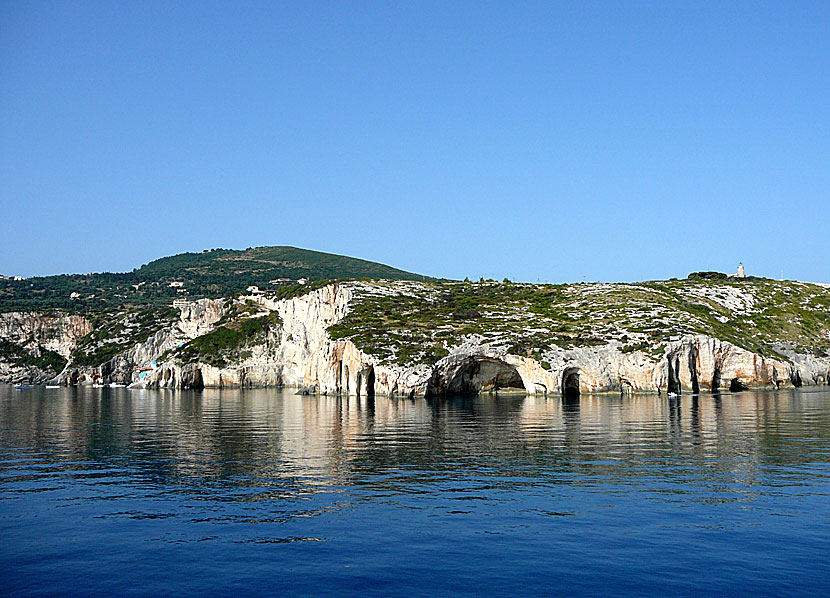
<point x="43" y="358"/>
<point x="708" y="275"/>
<point x="116" y="332"/>
<point x="641" y="346"/>
<point x="212" y="273"/>
<point x="408" y="322"/>
<point x="419" y="322"/>
<point x="297" y="290"/>
<point x="227" y="343"/>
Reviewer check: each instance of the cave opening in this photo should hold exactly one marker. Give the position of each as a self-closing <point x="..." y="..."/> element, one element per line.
<point x="370" y="383"/>
<point x="737" y="385"/>
<point x="346" y="378"/>
<point x="674" y="387"/>
<point x="693" y="357"/>
<point x="198" y="381"/>
<point x="484" y="375"/>
<point x="796" y="379"/>
<point x="570" y="383"/>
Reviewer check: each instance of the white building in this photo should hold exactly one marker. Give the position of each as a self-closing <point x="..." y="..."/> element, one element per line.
<point x="740" y="273"/>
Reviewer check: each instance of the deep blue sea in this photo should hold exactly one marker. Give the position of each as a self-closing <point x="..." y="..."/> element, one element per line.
<point x="265" y="493"/>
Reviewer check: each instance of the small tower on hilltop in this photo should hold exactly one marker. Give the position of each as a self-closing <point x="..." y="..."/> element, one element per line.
<point x="741" y="273"/>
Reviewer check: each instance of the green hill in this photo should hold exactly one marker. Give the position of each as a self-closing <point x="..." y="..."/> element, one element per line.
<point x="261" y="264"/>
<point x="211" y="273"/>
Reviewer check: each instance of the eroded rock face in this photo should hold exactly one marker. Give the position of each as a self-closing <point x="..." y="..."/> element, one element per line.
<point x="195" y="319"/>
<point x="34" y="332"/>
<point x="808" y="370"/>
<point x="301" y="354"/>
<point x="706" y="363"/>
<point x="691" y="364"/>
<point x="55" y="333"/>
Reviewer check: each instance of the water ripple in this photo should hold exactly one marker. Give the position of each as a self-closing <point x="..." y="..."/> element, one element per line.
<point x="217" y="490"/>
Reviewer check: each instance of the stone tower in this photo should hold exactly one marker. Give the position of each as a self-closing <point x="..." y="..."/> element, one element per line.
<point x="741" y="273"/>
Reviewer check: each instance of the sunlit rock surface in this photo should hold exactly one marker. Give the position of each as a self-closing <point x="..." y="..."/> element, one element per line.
<point x="301" y="352"/>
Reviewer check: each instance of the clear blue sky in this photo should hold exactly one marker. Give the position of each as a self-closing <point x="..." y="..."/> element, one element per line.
<point x="553" y="141"/>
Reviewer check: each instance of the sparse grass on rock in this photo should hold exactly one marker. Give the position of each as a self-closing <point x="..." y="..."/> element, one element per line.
<point x="412" y="322"/>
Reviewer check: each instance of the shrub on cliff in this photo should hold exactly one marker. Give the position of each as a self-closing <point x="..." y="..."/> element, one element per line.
<point x="707" y="275"/>
<point x="227" y="342"/>
<point x="47" y="360"/>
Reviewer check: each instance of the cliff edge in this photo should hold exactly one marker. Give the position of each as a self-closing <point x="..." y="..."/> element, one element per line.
<point x="405" y="338"/>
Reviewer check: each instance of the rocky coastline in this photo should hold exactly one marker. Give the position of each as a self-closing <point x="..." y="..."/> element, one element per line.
<point x="297" y="350"/>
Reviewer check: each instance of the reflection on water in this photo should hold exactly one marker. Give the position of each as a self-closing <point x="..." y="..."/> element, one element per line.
<point x="268" y="491"/>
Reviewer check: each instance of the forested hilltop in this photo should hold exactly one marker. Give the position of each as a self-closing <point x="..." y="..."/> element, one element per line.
<point x="212" y="273"/>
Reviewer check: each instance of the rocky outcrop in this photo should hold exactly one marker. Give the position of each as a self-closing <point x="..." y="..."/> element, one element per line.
<point x="691" y="364"/>
<point x="32" y="334"/>
<point x="810" y="370"/>
<point x="58" y="333"/>
<point x="300" y="353"/>
<point x="706" y="363"/>
<point x="195" y="319"/>
<point x="477" y="367"/>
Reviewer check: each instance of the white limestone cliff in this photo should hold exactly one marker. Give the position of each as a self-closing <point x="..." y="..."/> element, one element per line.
<point x="303" y="355"/>
<point x="32" y="334"/>
<point x="58" y="333"/>
<point x="300" y="353"/>
<point x="195" y="319"/>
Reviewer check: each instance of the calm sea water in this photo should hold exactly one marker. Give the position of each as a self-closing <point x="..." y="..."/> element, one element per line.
<point x="123" y="492"/>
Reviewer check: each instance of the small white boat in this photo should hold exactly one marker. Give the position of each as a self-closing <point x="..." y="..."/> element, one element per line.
<point x="52" y="386"/>
<point x="98" y="385"/>
<point x="673" y="394"/>
<point x="116" y="385"/>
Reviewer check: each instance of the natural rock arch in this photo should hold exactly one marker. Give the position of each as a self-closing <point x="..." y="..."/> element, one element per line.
<point x="484" y="374"/>
<point x="570" y="383"/>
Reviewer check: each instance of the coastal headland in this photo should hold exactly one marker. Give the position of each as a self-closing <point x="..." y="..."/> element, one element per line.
<point x="430" y="337"/>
